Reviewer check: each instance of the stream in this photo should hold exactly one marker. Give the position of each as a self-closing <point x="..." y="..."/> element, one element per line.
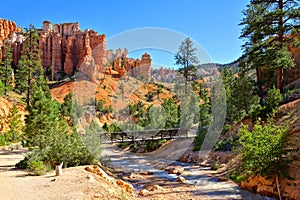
<point x="126" y="162"/>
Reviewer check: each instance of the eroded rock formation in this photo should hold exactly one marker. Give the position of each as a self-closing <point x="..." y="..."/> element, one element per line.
<point x="66" y="49"/>
<point x="8" y="31"/>
<point x="133" y="67"/>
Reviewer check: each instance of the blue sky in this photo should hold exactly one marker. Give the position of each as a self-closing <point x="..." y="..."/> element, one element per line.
<point x="212" y="24"/>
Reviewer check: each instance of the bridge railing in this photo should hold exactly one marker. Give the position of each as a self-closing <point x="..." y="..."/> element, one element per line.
<point x="142" y="135"/>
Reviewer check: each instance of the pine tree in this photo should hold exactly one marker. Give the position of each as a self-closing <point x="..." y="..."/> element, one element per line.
<point x="15" y="125"/>
<point x="172" y="114"/>
<point x="1" y="88"/>
<point x="243" y="97"/>
<point x="187" y="59"/>
<point x="268" y="27"/>
<point x="30" y="68"/>
<point x="6" y="71"/>
<point x="43" y="118"/>
<point x="157" y="117"/>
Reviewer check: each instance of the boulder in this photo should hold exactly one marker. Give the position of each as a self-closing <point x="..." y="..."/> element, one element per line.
<point x="154" y="188"/>
<point x="135" y="176"/>
<point x="146" y="173"/>
<point x="174" y="170"/>
<point x="126" y="186"/>
<point x="143" y="192"/>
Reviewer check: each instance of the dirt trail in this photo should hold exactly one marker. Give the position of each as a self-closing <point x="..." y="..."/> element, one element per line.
<point x="72" y="185"/>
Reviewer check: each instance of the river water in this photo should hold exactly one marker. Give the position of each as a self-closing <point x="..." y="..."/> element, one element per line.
<point x="127" y="162"/>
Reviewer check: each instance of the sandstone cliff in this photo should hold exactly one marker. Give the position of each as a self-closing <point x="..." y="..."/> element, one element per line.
<point x="66" y="49"/>
<point x="8" y="31"/>
<point x="130" y="66"/>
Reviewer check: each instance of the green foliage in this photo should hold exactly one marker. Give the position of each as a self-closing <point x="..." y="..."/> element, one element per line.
<point x="111" y="128"/>
<point x="30" y="69"/>
<point x="2" y="140"/>
<point x="6" y="71"/>
<point x="271" y="104"/>
<point x="199" y="139"/>
<point x="216" y="166"/>
<point x="241" y="100"/>
<point x="37" y="168"/>
<point x="187" y="59"/>
<point x="226" y="144"/>
<point x="189" y="110"/>
<point x="156" y="117"/>
<point x="204" y="108"/>
<point x="144" y="146"/>
<point x="264" y="150"/>
<point x="66" y="107"/>
<point x="15" y="125"/>
<point x="273" y="99"/>
<point x="22" y="164"/>
<point x="171" y="112"/>
<point x="92" y="140"/>
<point x="149" y="96"/>
<point x="101" y="108"/>
<point x="267" y="28"/>
<point x="2" y="88"/>
<point x="42" y="120"/>
<point x="159" y="90"/>
<point x="50" y="134"/>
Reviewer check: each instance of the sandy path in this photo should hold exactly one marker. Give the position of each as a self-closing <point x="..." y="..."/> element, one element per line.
<point x="74" y="184"/>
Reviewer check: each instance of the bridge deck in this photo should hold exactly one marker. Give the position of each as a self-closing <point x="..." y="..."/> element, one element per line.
<point x="144" y="135"/>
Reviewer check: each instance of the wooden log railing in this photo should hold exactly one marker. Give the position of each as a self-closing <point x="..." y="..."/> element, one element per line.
<point x="142" y="135"/>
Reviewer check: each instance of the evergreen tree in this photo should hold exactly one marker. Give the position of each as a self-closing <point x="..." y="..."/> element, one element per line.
<point x="204" y="107"/>
<point x="267" y="28"/>
<point x="66" y="107"/>
<point x="189" y="110"/>
<point x="42" y="122"/>
<point x="242" y="97"/>
<point x="187" y="59"/>
<point x="172" y="113"/>
<point x="50" y="133"/>
<point x="157" y="117"/>
<point x="15" y="125"/>
<point x="30" y="68"/>
<point x="6" y="71"/>
<point x="1" y="88"/>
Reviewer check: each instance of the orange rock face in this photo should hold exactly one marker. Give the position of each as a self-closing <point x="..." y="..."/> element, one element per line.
<point x="65" y="48"/>
<point x="130" y="66"/>
<point x="8" y="29"/>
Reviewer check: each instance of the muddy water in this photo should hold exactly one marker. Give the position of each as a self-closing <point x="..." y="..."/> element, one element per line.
<point x="129" y="163"/>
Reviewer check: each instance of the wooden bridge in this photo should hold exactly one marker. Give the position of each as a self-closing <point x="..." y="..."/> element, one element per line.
<point x="143" y="135"/>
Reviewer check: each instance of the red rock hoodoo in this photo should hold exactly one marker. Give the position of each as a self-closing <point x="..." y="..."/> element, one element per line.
<point x="66" y="49"/>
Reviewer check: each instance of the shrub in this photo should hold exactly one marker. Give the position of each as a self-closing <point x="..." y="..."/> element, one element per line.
<point x="2" y="88"/>
<point x="198" y="141"/>
<point x="2" y="140"/>
<point x="264" y="150"/>
<point x="23" y="164"/>
<point x="226" y="144"/>
<point x="273" y="100"/>
<point x="38" y="168"/>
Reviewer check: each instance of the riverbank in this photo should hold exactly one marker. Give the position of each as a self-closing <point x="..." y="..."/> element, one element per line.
<point x="77" y="183"/>
<point x="199" y="182"/>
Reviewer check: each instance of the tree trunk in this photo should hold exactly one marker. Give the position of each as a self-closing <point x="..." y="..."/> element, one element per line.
<point x="278" y="187"/>
<point x="259" y="84"/>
